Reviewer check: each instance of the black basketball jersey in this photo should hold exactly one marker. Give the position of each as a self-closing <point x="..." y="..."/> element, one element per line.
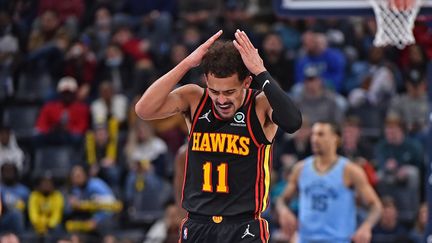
<point x="228" y="162"/>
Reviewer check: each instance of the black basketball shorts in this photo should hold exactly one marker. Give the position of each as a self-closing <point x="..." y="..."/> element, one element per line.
<point x="218" y="229"/>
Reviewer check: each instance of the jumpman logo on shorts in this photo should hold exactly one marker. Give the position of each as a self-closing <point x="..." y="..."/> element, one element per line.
<point x="246" y="233"/>
<point x="205" y="116"/>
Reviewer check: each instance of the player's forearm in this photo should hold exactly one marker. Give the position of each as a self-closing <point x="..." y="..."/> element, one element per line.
<point x="155" y="96"/>
<point x="374" y="215"/>
<point x="281" y="204"/>
<point x="285" y="113"/>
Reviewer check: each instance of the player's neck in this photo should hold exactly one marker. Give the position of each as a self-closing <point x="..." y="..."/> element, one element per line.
<point x="326" y="159"/>
<point x="324" y="163"/>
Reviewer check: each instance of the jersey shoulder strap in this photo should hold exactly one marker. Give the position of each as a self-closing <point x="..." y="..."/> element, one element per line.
<point x="253" y="121"/>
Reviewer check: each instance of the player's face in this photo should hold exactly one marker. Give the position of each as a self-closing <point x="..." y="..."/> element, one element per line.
<point x="323" y="139"/>
<point x="227" y="94"/>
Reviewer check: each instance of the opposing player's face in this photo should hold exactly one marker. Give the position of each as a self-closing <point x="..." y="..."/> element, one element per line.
<point x="323" y="139"/>
<point x="227" y="94"/>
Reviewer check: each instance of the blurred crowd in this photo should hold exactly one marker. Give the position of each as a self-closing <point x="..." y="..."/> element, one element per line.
<point x="78" y="165"/>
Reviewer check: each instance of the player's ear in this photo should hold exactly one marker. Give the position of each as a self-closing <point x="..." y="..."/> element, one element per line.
<point x="247" y="82"/>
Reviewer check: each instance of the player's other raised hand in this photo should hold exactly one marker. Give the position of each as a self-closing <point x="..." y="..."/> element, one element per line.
<point x="249" y="53"/>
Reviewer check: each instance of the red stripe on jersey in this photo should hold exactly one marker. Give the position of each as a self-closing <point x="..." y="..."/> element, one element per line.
<point x="184" y="174"/>
<point x="250" y="127"/>
<point x="197" y="113"/>
<point x="261" y="230"/>
<point x="248" y="96"/>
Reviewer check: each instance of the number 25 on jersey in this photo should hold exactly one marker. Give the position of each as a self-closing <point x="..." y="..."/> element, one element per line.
<point x="222" y="183"/>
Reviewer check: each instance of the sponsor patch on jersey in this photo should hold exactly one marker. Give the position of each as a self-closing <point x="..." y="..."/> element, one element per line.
<point x="239" y="119"/>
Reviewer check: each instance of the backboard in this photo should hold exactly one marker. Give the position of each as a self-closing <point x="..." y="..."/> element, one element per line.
<point x="323" y="8"/>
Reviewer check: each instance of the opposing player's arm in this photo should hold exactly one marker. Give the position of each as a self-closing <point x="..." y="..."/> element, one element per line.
<point x="281" y="110"/>
<point x="368" y="195"/>
<point x="160" y="100"/>
<point x="290" y="189"/>
<point x="287" y="219"/>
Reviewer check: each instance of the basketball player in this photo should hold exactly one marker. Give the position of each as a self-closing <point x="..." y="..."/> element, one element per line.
<point x="327" y="185"/>
<point x="231" y="129"/>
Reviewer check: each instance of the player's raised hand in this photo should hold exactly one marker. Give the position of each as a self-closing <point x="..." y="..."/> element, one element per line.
<point x="194" y="59"/>
<point x="249" y="53"/>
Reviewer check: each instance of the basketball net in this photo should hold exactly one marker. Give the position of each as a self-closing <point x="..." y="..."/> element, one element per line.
<point x="395" y="21"/>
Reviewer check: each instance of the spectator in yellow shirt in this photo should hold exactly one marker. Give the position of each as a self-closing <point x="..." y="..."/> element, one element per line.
<point x="45" y="207"/>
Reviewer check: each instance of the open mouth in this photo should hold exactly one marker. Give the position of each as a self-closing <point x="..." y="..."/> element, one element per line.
<point x="224" y="109"/>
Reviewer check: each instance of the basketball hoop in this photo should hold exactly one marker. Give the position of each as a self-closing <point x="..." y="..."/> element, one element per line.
<point x="395" y="21"/>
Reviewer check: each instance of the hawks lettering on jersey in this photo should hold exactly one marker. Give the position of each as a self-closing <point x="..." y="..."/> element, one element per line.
<point x="220" y="143"/>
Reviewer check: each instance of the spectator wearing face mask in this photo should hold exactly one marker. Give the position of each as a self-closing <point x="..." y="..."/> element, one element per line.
<point x="65" y="120"/>
<point x="116" y="67"/>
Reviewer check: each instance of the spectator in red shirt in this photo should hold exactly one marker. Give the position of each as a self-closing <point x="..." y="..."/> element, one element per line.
<point x="65" y="9"/>
<point x="63" y="121"/>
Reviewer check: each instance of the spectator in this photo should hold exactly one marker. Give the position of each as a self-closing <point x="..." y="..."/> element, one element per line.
<point x="389" y="228"/>
<point x="9" y="56"/>
<point x="143" y="145"/>
<point x="67" y="11"/>
<point x="141" y="178"/>
<point x="81" y="63"/>
<point x="418" y="232"/>
<point x="167" y="228"/>
<point x="276" y="61"/>
<point x="46" y="46"/>
<point x="91" y="204"/>
<point x="10" y="152"/>
<point x="118" y="68"/>
<point x="376" y="77"/>
<point x="330" y="62"/>
<point x="180" y="51"/>
<point x="316" y="101"/>
<point x="153" y="19"/>
<point x="397" y="147"/>
<point x="413" y="57"/>
<point x="108" y="105"/>
<point x="199" y="13"/>
<point x="98" y="36"/>
<point x="371" y="116"/>
<point x="137" y="49"/>
<point x="353" y="144"/>
<point x="400" y="168"/>
<point x="63" y="121"/>
<point x="102" y="153"/>
<point x="46" y="206"/>
<point x="294" y="148"/>
<point x="14" y="197"/>
<point x="412" y="107"/>
<point x="357" y="148"/>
